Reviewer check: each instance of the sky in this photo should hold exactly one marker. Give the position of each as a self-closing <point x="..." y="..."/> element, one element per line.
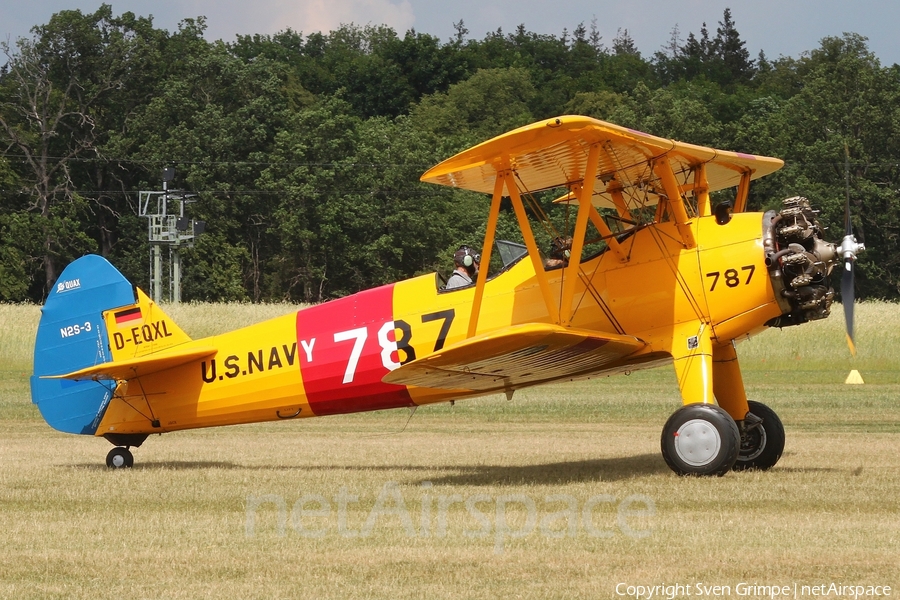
<point x="778" y="27"/>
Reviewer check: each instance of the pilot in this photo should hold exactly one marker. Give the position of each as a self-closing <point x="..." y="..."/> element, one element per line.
<point x="467" y="262"/>
<point x="560" y="250"/>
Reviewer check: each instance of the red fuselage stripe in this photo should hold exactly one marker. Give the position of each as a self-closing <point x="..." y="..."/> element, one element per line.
<point x="345" y="350"/>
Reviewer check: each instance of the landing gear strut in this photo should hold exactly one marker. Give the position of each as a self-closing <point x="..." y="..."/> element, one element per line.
<point x="700" y="439"/>
<point x="119" y="458"/>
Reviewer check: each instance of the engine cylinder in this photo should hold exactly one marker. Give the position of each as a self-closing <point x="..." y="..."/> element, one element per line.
<point x="799" y="262"/>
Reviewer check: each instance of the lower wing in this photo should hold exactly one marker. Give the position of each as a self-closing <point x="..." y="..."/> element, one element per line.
<point x="517" y="356"/>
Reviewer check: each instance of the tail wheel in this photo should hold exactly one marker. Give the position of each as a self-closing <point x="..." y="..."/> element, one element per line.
<point x="119" y="458"/>
<point x="700" y="439"/>
<point x="762" y="440"/>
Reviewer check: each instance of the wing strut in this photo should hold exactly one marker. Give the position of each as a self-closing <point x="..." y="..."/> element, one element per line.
<point x="701" y="191"/>
<point x="487" y="246"/>
<point x="740" y="203"/>
<point x="607" y="235"/>
<point x="675" y="203"/>
<point x="581" y="221"/>
<point x="615" y="192"/>
<point x="528" y="235"/>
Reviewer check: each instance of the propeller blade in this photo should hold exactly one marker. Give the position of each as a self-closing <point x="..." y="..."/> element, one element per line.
<point x="848" y="230"/>
<point x="849" y="249"/>
<point x="848" y="298"/>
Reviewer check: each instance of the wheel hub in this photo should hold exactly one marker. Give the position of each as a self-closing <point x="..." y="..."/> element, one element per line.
<point x="753" y="439"/>
<point x="697" y="442"/>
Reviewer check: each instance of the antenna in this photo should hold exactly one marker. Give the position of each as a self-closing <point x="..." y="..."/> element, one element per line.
<point x="165" y="229"/>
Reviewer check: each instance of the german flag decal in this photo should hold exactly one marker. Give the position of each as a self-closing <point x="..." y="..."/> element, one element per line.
<point x="132" y="316"/>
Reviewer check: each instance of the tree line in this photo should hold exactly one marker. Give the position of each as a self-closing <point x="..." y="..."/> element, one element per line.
<point x="304" y="150"/>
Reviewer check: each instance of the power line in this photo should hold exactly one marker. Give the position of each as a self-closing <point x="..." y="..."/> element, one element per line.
<point x="423" y="166"/>
<point x="232" y="163"/>
<point x="94" y="193"/>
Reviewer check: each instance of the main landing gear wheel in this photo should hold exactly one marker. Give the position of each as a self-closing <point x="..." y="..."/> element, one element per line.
<point x="762" y="440"/>
<point x="119" y="458"/>
<point x="700" y="439"/>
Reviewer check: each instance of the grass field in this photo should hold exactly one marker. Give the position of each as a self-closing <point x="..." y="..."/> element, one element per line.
<point x="559" y="493"/>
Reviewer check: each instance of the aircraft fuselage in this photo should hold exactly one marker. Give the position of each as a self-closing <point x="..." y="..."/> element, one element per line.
<point x="330" y="358"/>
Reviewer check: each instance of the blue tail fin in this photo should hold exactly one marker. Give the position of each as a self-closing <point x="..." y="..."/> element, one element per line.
<point x="72" y="335"/>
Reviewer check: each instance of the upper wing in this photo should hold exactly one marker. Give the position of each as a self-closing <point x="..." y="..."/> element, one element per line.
<point x="516" y="356"/>
<point x="553" y="153"/>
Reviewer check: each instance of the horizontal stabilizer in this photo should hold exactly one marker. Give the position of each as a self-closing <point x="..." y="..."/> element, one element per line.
<point x="516" y="356"/>
<point x="137" y="367"/>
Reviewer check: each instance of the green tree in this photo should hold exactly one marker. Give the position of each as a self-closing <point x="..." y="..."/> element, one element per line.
<point x="732" y="59"/>
<point x="600" y="105"/>
<point x="487" y="104"/>
<point x="51" y="116"/>
<point x="678" y="113"/>
<point x="350" y="213"/>
<point x="19" y="232"/>
<point x="378" y="72"/>
<point x="723" y="59"/>
<point x="215" y="117"/>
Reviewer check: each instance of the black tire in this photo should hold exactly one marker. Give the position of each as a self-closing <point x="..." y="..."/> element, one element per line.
<point x="119" y="458"/>
<point x="700" y="439"/>
<point x="762" y="443"/>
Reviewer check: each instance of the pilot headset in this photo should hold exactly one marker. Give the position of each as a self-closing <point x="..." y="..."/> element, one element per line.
<point x="560" y="247"/>
<point x="466" y="257"/>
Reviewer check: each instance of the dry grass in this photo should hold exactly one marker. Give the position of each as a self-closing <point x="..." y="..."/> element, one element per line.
<point x="18" y="325"/>
<point x="821" y="345"/>
<point x="175" y="526"/>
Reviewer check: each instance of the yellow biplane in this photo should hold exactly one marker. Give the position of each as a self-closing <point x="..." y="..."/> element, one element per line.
<point x="653" y="275"/>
